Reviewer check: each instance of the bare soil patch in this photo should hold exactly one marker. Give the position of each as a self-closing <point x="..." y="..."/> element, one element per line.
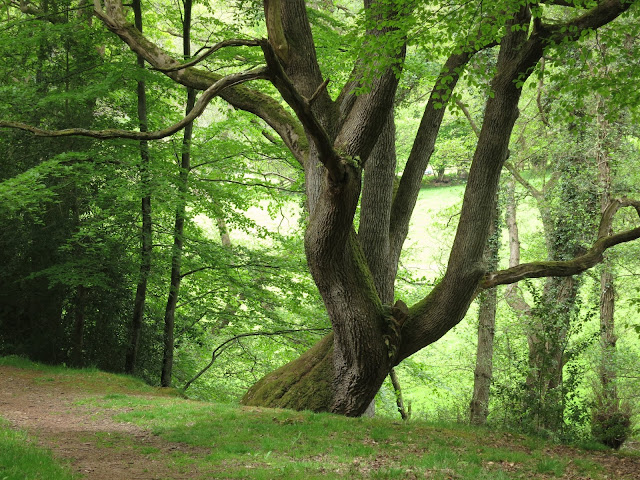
<point x="96" y="446"/>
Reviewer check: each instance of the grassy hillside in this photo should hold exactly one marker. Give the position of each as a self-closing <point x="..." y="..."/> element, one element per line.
<point x="209" y="440"/>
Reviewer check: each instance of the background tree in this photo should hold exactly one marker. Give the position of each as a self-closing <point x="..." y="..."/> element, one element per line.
<point x="147" y="229"/>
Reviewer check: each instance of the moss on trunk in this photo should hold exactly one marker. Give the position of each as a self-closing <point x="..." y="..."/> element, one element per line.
<point x="303" y="384"/>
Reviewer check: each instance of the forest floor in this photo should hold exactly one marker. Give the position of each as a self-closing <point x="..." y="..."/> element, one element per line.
<point x="68" y="415"/>
<point x="46" y="407"/>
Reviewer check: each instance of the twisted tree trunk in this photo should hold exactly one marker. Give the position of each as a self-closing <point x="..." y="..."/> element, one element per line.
<point x="370" y="339"/>
<point x="334" y="141"/>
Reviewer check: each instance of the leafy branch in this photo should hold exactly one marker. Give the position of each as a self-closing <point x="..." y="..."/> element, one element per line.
<point x="210" y="51"/>
<point x="206" y="97"/>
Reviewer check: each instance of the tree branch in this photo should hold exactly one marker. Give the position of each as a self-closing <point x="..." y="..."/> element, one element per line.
<point x="570" y="267"/>
<point x="223" y="346"/>
<point x="29" y="8"/>
<point x="253" y="184"/>
<point x="512" y="293"/>
<point x="421" y="150"/>
<point x="210" y="51"/>
<point x="230" y="266"/>
<point x="198" y="109"/>
<point x="302" y="107"/>
<point x="467" y="113"/>
<point x="253" y="101"/>
<point x="603" y="13"/>
<point x="560" y="3"/>
<point x="537" y="194"/>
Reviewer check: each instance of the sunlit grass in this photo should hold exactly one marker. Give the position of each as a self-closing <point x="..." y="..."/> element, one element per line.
<point x="88" y="379"/>
<point x="267" y="443"/>
<point x="228" y="441"/>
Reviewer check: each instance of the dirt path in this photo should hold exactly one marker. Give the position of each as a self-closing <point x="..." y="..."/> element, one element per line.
<point x="46" y="410"/>
<point x="100" y="448"/>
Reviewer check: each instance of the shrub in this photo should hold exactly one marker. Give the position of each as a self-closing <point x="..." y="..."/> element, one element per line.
<point x="611" y="428"/>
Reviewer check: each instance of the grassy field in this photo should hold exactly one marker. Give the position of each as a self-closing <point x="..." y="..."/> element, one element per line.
<point x="227" y="441"/>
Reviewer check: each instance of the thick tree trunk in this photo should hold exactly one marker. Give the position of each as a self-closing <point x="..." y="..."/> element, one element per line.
<point x="146" y="233"/>
<point x="368" y="339"/>
<point x="303" y="384"/>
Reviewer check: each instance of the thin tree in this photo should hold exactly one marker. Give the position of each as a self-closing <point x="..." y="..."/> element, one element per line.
<point x="146" y="232"/>
<point x="488" y="302"/>
<point x="178" y="229"/>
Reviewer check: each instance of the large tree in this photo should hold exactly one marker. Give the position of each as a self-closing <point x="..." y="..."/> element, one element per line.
<point x="346" y="147"/>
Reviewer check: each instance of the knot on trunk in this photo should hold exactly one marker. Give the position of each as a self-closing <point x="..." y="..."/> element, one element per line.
<point x="394" y="317"/>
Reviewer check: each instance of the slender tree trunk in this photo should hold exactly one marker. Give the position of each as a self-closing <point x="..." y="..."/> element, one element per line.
<point x="224" y="232"/>
<point x="178" y="230"/>
<point x="608" y="337"/>
<point x="488" y="300"/>
<point x="483" y="374"/>
<point x="146" y="233"/>
<point x="77" y="356"/>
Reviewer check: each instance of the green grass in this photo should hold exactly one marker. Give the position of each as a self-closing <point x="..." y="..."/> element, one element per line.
<point x="90" y="379"/>
<point x="21" y="460"/>
<point x="227" y="441"/>
<point x="265" y="443"/>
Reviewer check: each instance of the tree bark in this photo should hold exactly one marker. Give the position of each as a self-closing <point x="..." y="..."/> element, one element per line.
<point x="488" y="300"/>
<point x="146" y="233"/>
<point x="375" y="212"/>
